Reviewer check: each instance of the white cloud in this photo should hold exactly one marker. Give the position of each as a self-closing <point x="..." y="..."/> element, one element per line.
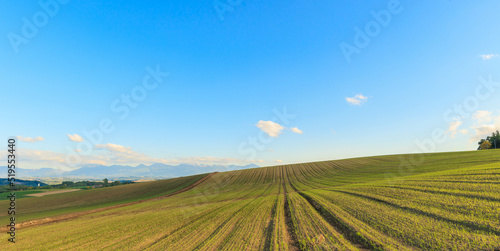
<point x="30" y="140"/>
<point x="488" y="56"/>
<point x="359" y="99"/>
<point x="278" y="161"/>
<point x="42" y="155"/>
<point x="123" y="154"/>
<point x="208" y="160"/>
<point x="482" y="130"/>
<point x="118" y="154"/>
<point x="453" y="128"/>
<point x="482" y="116"/>
<point x="113" y="154"/>
<point x="75" y="137"/>
<point x="33" y="159"/>
<point x="296" y="130"/>
<point x="272" y="129"/>
<point x="464" y="131"/>
<point x="115" y="148"/>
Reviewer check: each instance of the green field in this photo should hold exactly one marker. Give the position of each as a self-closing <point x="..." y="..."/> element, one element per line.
<point x="46" y="206"/>
<point x="19" y="194"/>
<point x="444" y="201"/>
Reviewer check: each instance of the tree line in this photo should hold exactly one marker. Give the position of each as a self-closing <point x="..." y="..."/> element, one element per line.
<point x="491" y="142"/>
<point x="66" y="184"/>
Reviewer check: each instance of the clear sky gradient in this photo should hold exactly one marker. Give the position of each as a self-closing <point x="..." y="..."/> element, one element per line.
<point x="231" y="67"/>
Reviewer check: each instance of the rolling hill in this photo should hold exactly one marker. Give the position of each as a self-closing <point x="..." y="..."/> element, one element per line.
<point x="442" y="201"/>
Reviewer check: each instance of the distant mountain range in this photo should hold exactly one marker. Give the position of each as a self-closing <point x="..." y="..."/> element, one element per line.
<point x="124" y="172"/>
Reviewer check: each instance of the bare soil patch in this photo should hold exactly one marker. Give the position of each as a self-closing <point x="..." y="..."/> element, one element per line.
<point x="52" y="192"/>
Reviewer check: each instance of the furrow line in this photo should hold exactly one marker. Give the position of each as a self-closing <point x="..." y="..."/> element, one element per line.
<point x="339" y="225"/>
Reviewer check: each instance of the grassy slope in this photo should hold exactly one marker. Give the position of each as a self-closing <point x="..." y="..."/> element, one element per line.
<point x="19" y="194"/>
<point x="50" y="205"/>
<point x="445" y="201"/>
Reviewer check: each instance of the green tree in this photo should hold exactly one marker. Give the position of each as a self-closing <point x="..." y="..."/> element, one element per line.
<point x="105" y="181"/>
<point x="494" y="141"/>
<point x="68" y="183"/>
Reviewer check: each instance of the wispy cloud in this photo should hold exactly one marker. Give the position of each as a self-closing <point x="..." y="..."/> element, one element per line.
<point x="118" y="154"/>
<point x="30" y="140"/>
<point x="485" y="124"/>
<point x="115" y="148"/>
<point x="75" y="137"/>
<point x="483" y="116"/>
<point x="209" y="160"/>
<point x="31" y="158"/>
<point x="113" y="154"/>
<point x="481" y="131"/>
<point x="296" y="130"/>
<point x="488" y="56"/>
<point x="453" y="127"/>
<point x="123" y="154"/>
<point x="359" y="99"/>
<point x="271" y="128"/>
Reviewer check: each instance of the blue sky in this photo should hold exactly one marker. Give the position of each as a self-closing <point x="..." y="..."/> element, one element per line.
<point x="230" y="68"/>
